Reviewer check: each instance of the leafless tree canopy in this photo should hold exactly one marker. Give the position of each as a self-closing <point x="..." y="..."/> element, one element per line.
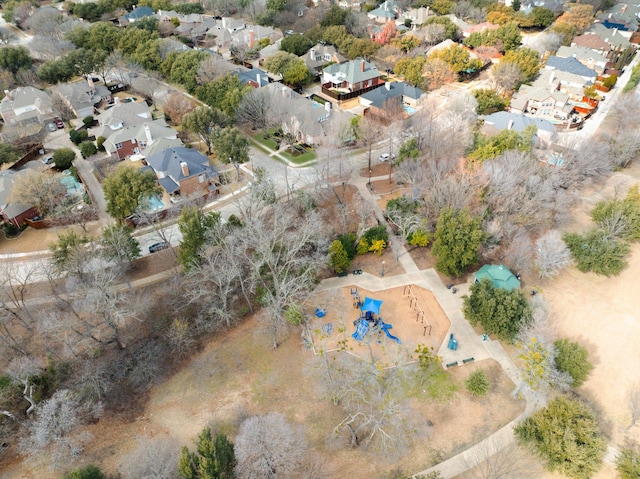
<point x="153" y="458"/>
<point x="510" y="462"/>
<point x="552" y="254"/>
<point x="268" y="446"/>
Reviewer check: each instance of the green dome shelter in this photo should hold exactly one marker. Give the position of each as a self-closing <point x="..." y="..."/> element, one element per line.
<point x="499" y="275"/>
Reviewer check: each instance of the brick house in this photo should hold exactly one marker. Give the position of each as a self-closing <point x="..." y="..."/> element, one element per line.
<point x="11" y="211"/>
<point x="350" y="79"/>
<point x="184" y="171"/>
<point x="135" y="139"/>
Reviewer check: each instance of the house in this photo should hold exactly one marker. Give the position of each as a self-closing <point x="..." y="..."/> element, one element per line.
<point x="504" y="120"/>
<point x="134" y="139"/>
<point x="348" y="4"/>
<point x="541" y="102"/>
<point x="387" y="11"/>
<point x="586" y="56"/>
<point x="303" y="119"/>
<point x="479" y="28"/>
<point x="592" y="42"/>
<point x="568" y="83"/>
<point x="26" y="105"/>
<point x="136" y="14"/>
<point x="396" y="100"/>
<point x="256" y="77"/>
<point x="571" y="65"/>
<point x="184" y="171"/>
<point x="321" y="55"/>
<point x="443" y="45"/>
<point x="82" y="96"/>
<point x="119" y="115"/>
<point x="417" y="16"/>
<point x="248" y="36"/>
<point x="615" y="38"/>
<point x="350" y="79"/>
<point x="10" y="211"/>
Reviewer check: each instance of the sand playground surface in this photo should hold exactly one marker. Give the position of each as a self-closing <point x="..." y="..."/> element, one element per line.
<point x="412" y="312"/>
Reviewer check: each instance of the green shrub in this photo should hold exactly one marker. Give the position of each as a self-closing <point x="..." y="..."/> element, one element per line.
<point x="87" y="148"/>
<point x="376" y="233"/>
<point x="63" y="158"/>
<point x="595" y="251"/>
<point x="88" y="472"/>
<point x="633" y="80"/>
<point x="610" y="81"/>
<point x="628" y="464"/>
<point x="349" y="244"/>
<point x="572" y="359"/>
<point x="477" y="383"/>
<point x="100" y="143"/>
<point x="338" y="258"/>
<point x="78" y="136"/>
<point x="566" y="436"/>
<point x="87" y="121"/>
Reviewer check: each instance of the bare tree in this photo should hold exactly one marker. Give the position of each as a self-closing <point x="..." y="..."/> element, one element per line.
<point x="434" y="33"/>
<point x="546" y="42"/>
<point x="552" y="254"/>
<point x="497" y="462"/>
<point x="53" y="426"/>
<point x="22" y="370"/>
<point x="268" y="446"/>
<point x="48" y="48"/>
<point x="43" y="190"/>
<point x="211" y="68"/>
<point x="177" y="106"/>
<point x="153" y="458"/>
<point x="59" y="105"/>
<point x="518" y="255"/>
<point x="284" y="248"/>
<point x="255" y="110"/>
<point x="369" y="133"/>
<point x="633" y="400"/>
<point x="506" y="76"/>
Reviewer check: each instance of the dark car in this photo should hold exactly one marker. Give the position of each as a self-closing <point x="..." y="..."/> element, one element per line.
<point x="154" y="248"/>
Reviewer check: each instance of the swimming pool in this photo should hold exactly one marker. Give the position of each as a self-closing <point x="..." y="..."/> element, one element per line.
<point x="153" y="203"/>
<point x="409" y="109"/>
<point x="70" y="183"/>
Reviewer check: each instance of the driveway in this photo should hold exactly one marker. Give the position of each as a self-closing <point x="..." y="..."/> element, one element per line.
<point x="60" y="139"/>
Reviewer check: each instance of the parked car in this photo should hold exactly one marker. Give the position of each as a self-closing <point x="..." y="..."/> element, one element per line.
<point x="59" y="124"/>
<point x="51" y="126"/>
<point x="48" y="160"/>
<point x="386" y="156"/>
<point x="154" y="248"/>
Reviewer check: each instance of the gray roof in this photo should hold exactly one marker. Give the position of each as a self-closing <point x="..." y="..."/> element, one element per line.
<point x="157" y="129"/>
<point x="82" y="95"/>
<point x="131" y="113"/>
<point x="611" y="36"/>
<point x="167" y="165"/>
<point x="581" y="53"/>
<point x="254" y="75"/>
<point x="352" y="72"/>
<point x="378" y="96"/>
<point x="23" y="97"/>
<point x="570" y="65"/>
<point x="503" y="120"/>
<point x="162" y="144"/>
<point x="139" y="12"/>
<point x="386" y="9"/>
<point x="7" y="181"/>
<point x="315" y="57"/>
<point x="311" y="118"/>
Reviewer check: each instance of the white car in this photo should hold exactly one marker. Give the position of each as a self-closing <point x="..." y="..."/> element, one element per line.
<point x="386" y="156"/>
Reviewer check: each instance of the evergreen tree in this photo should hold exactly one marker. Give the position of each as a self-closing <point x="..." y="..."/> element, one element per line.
<point x="213" y="459"/>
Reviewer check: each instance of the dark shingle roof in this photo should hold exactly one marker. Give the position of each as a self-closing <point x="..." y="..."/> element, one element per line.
<point x="378" y="96"/>
<point x="570" y="65"/>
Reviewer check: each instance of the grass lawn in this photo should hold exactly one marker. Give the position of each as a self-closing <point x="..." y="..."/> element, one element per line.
<point x="269" y="142"/>
<point x="301" y="159"/>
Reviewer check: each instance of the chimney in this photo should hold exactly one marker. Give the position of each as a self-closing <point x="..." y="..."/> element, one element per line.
<point x="312" y="54"/>
<point x="147" y="133"/>
<point x="623" y="9"/>
<point x="610" y="15"/>
<point x="116" y="100"/>
<point x="387" y="85"/>
<point x="185" y="168"/>
<point x="7" y="93"/>
<point x="252" y="39"/>
<point x="327" y="106"/>
<point x="224" y="22"/>
<point x="362" y="66"/>
<point x="258" y="80"/>
<point x="510" y="126"/>
<point x="615" y="30"/>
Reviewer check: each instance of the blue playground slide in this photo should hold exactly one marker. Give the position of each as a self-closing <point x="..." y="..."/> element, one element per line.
<point x="386" y="327"/>
<point x="361" y="330"/>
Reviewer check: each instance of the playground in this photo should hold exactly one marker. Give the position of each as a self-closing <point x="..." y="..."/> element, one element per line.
<point x="388" y="324"/>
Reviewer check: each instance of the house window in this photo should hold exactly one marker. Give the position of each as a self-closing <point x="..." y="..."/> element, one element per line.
<point x="201" y="178"/>
<point x="326" y="57"/>
<point x="118" y="146"/>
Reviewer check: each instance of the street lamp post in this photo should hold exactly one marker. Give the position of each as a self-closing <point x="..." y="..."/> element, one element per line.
<point x="369" y="178"/>
<point x="383" y="269"/>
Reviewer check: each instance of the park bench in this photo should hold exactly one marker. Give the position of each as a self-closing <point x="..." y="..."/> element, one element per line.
<point x="450" y="365"/>
<point x="468" y="360"/>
